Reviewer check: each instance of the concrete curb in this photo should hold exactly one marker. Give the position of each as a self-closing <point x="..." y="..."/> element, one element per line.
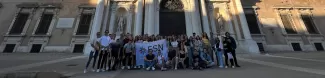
<point x="33" y="75"/>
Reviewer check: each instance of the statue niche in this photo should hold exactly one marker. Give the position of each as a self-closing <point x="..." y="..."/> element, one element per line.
<point x="120" y="21"/>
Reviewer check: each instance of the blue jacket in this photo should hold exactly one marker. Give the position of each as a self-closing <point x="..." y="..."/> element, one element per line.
<point x="205" y="56"/>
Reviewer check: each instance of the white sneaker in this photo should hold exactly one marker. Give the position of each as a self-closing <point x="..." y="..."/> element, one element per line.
<point x="98" y="70"/>
<point x="103" y="70"/>
<point x="135" y="67"/>
<point x="148" y="68"/>
<point x="93" y="70"/>
<point x="233" y="66"/>
<point x="175" y="68"/>
<point x="123" y="67"/>
<point x="107" y="69"/>
<point x="129" y="68"/>
<point x="226" y="66"/>
<point x="85" y="71"/>
<point x="162" y="69"/>
<point x="220" y="66"/>
<point x="153" y="68"/>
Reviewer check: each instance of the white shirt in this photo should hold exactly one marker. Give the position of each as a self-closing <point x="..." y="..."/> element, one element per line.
<point x="94" y="42"/>
<point x="160" y="59"/>
<point x="174" y="44"/>
<point x="105" y="41"/>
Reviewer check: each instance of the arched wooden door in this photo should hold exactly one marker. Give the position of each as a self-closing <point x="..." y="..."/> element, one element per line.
<point x="172" y="18"/>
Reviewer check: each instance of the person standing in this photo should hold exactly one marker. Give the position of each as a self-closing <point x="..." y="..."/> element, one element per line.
<point x="228" y="55"/>
<point x="102" y="60"/>
<point x="115" y="52"/>
<point x="94" y="53"/>
<point x="234" y="46"/>
<point x="175" y="48"/>
<point x="127" y="54"/>
<point x="218" y="47"/>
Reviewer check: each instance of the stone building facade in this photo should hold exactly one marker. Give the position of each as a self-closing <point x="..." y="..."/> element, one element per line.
<point x="69" y="25"/>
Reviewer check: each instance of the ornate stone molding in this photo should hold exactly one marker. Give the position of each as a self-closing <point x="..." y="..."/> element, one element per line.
<point x="51" y="5"/>
<point x="86" y="6"/>
<point x="28" y="5"/>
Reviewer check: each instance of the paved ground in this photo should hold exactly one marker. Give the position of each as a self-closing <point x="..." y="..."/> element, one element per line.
<point x="279" y="65"/>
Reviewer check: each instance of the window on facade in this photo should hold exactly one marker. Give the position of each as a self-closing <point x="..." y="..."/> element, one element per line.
<point x="288" y="26"/>
<point x="44" y="24"/>
<point x="9" y="48"/>
<point x="78" y="48"/>
<point x="252" y="23"/>
<point x="19" y="24"/>
<point x="296" y="47"/>
<point x="310" y="25"/>
<point x="260" y="46"/>
<point x="36" y="48"/>
<point x="319" y="46"/>
<point x="84" y="24"/>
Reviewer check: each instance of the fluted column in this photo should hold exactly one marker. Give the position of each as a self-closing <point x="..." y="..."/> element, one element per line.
<point x="139" y="13"/>
<point x="96" y="25"/>
<point x="129" y="19"/>
<point x="212" y="18"/>
<point x="106" y="16"/>
<point x="248" y="44"/>
<point x="196" y="17"/>
<point x="150" y="18"/>
<point x="242" y="19"/>
<point x="112" y="19"/>
<point x="204" y="15"/>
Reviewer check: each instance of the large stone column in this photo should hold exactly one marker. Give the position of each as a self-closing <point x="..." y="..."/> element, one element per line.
<point x="138" y="23"/>
<point x="112" y="19"/>
<point x="248" y="44"/>
<point x="188" y="10"/>
<point x="157" y="2"/>
<point x="96" y="25"/>
<point x="196" y="17"/>
<point x="149" y="17"/>
<point x="146" y="16"/>
<point x="105" y="25"/>
<point x="204" y="15"/>
<point x="212" y="19"/>
<point x="129" y="19"/>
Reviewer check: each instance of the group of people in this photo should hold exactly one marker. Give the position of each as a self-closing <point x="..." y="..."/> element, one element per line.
<point x="195" y="52"/>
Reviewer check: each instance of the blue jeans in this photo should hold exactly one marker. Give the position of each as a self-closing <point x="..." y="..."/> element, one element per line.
<point x="91" y="56"/>
<point x="149" y="63"/>
<point x="219" y="55"/>
<point x="190" y="55"/>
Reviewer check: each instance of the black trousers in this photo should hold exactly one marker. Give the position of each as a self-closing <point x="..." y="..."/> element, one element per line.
<point x="232" y="61"/>
<point x="116" y="61"/>
<point x="102" y="61"/>
<point x="127" y="60"/>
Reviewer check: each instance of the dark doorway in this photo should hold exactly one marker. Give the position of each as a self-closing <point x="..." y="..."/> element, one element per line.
<point x="260" y="47"/>
<point x="78" y="48"/>
<point x="319" y="46"/>
<point x="9" y="48"/>
<point x="296" y="47"/>
<point x="171" y="18"/>
<point x="36" y="48"/>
